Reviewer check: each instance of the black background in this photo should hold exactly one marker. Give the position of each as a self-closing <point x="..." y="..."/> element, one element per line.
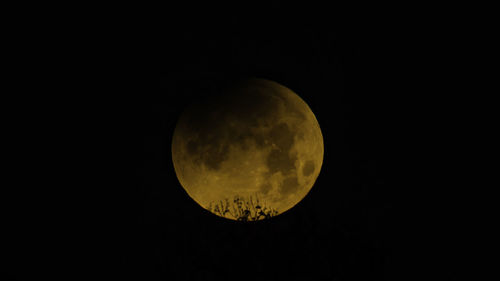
<point x="369" y="215"/>
<point x="378" y="211"/>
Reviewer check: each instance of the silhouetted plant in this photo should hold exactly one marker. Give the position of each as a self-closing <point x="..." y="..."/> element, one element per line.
<point x="243" y="209"/>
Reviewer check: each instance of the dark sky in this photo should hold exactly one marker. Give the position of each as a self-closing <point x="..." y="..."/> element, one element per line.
<point x="359" y="222"/>
<point x="371" y="214"/>
<point x="384" y="206"/>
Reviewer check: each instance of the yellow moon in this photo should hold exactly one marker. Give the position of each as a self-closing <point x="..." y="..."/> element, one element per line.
<point x="250" y="153"/>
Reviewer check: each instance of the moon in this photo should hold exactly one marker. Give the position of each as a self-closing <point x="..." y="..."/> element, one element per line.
<point x="250" y="153"/>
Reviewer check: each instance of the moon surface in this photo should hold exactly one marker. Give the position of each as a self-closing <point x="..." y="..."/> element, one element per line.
<point x="249" y="153"/>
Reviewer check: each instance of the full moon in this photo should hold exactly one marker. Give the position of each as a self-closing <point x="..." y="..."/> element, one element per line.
<point x="250" y="153"/>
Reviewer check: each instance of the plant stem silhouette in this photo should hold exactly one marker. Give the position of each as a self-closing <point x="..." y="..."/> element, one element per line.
<point x="242" y="209"/>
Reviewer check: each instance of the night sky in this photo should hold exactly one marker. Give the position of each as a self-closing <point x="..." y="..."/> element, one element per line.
<point x="363" y="220"/>
<point x="92" y="191"/>
<point x="372" y="214"/>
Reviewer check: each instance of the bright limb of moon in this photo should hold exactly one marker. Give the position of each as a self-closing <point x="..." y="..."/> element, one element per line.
<point x="258" y="140"/>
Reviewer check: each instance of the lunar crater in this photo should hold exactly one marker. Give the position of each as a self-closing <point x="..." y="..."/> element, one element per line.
<point x="308" y="168"/>
<point x="289" y="185"/>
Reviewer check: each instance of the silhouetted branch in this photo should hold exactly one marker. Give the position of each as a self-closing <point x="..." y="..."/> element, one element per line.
<point x="242" y="209"/>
